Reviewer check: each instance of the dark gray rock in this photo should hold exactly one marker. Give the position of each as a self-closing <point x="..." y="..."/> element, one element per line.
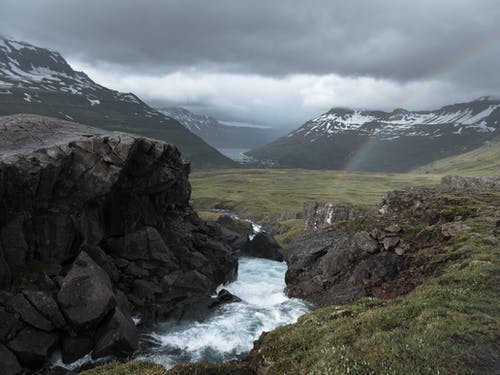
<point x="393" y="229"/>
<point x="73" y="348"/>
<point x="144" y="244"/>
<point x="29" y="314"/>
<point x="10" y="325"/>
<point x="329" y="266"/>
<point x="9" y="365"/>
<point x="390" y="242"/>
<point x="193" y="282"/>
<point x="263" y="245"/>
<point x="4" y="272"/>
<point x="121" y="198"/>
<point x="146" y="290"/>
<point x="103" y="260"/>
<point x="33" y="347"/>
<point x="134" y="270"/>
<point x="47" y="306"/>
<point x="224" y="297"/>
<point x="86" y="295"/>
<point x="365" y="242"/>
<point x="117" y="336"/>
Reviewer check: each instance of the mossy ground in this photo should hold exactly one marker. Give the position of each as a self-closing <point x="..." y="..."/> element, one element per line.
<point x="128" y="368"/>
<point x="263" y="194"/>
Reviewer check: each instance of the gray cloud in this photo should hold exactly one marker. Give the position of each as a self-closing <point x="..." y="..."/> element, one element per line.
<point x="386" y="38"/>
<point x="452" y="43"/>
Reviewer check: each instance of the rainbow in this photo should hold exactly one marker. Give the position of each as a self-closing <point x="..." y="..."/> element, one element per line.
<point x="469" y="56"/>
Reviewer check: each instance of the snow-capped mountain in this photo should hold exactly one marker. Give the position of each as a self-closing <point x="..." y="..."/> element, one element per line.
<point x="474" y="117"/>
<point x="38" y="80"/>
<point x="217" y="134"/>
<point x="378" y="140"/>
<point x="25" y="66"/>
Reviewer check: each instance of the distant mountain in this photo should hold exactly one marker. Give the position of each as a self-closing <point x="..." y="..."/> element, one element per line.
<point x="384" y="141"/>
<point x="217" y="134"/>
<point x="40" y="81"/>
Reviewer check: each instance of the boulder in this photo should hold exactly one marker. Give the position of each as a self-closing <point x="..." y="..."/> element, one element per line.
<point x="117" y="336"/>
<point x="390" y="242"/>
<point x="29" y="314"/>
<point x="9" y="365"/>
<point x="33" y="347"/>
<point x="73" y="348"/>
<point x="86" y="295"/>
<point x="392" y="229"/>
<point x="334" y="266"/>
<point x="47" y="306"/>
<point x="242" y="227"/>
<point x="223" y="297"/>
<point x="103" y="260"/>
<point x="263" y="245"/>
<point x="365" y="242"/>
<point x="10" y="325"/>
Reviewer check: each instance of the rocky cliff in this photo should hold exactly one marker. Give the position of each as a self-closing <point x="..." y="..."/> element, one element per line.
<point x="381" y="254"/>
<point x="94" y="226"/>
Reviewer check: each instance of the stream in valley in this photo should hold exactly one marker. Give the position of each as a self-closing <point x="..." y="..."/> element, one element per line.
<point x="231" y="329"/>
<point x="228" y="332"/>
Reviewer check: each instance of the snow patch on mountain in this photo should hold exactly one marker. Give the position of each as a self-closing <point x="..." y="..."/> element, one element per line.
<point x="480" y="116"/>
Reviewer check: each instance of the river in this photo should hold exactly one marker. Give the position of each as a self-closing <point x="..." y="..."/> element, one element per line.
<point x="231" y="329"/>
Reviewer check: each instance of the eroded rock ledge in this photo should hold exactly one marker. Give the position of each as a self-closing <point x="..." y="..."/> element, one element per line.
<point x="358" y="252"/>
<point x="95" y="226"/>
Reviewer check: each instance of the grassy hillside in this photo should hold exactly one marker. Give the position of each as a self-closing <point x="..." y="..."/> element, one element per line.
<point x="264" y="194"/>
<point x="481" y="161"/>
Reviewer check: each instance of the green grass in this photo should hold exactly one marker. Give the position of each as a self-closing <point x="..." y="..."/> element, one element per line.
<point x="128" y="368"/>
<point x="263" y="194"/>
<point x="482" y="161"/>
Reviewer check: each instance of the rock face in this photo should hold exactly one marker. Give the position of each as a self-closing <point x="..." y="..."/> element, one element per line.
<point x="471" y="183"/>
<point x="373" y="255"/>
<point x="336" y="267"/>
<point x="318" y="215"/>
<point x="263" y="245"/>
<point x="100" y="224"/>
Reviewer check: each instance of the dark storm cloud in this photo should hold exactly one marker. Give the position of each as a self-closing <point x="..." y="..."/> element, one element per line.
<point x="393" y="39"/>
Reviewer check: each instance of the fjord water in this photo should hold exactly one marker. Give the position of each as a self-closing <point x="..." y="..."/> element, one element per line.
<point x="229" y="331"/>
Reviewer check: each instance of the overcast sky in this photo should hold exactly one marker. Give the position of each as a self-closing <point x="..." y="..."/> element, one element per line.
<point x="273" y="62"/>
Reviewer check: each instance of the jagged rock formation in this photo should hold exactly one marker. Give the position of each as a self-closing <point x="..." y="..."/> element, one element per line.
<point x="95" y="225"/>
<point x="318" y="215"/>
<point x="471" y="183"/>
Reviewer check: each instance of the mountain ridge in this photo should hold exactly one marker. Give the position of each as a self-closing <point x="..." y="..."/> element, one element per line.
<point x="40" y="81"/>
<point x="218" y="134"/>
<point x="372" y="140"/>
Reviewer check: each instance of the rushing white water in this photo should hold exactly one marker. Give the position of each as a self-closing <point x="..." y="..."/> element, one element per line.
<point x="231" y="329"/>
